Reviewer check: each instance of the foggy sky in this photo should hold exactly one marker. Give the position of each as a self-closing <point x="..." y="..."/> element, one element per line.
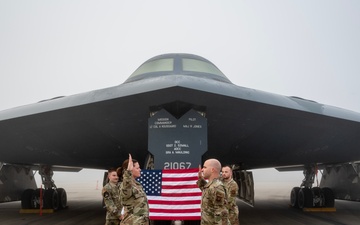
<point x="308" y="49"/>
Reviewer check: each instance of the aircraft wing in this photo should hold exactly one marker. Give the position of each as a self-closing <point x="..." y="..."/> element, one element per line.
<point x="245" y="127"/>
<point x="99" y="128"/>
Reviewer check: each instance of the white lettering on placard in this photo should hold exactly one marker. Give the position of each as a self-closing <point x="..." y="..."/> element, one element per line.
<point x="177" y="165"/>
<point x="177" y="148"/>
<point x="162" y="123"/>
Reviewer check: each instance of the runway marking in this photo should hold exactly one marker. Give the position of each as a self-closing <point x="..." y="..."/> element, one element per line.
<point x="332" y="209"/>
<point x="36" y="211"/>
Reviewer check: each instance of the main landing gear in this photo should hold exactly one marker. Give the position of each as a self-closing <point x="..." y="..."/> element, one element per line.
<point x="307" y="196"/>
<point x="49" y="197"/>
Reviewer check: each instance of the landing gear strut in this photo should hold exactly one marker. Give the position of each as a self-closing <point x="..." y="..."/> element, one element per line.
<point x="49" y="197"/>
<point x="307" y="196"/>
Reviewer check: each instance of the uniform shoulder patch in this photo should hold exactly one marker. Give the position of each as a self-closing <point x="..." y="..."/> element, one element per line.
<point x="106" y="194"/>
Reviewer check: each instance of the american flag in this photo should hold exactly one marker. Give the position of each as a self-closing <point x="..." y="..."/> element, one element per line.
<point x="172" y="194"/>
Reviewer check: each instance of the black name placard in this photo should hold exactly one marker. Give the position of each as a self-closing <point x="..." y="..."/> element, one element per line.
<point x="177" y="143"/>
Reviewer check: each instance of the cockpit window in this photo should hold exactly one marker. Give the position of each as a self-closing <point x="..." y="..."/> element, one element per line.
<point x="193" y="65"/>
<point x="160" y="65"/>
<point x="178" y="64"/>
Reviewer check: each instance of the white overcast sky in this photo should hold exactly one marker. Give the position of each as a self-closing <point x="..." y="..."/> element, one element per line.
<point x="304" y="48"/>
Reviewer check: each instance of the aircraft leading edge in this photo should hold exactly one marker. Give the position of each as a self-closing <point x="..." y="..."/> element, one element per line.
<point x="246" y="128"/>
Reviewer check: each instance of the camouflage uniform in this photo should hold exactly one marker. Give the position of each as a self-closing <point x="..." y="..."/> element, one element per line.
<point x="213" y="202"/>
<point x="134" y="201"/>
<point x="232" y="189"/>
<point x="111" y="195"/>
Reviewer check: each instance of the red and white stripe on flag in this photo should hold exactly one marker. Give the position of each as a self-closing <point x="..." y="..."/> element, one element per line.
<point x="172" y="194"/>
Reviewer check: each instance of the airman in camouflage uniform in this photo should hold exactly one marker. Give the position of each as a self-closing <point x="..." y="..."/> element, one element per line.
<point x="214" y="197"/>
<point x="232" y="189"/>
<point x="111" y="195"/>
<point x="133" y="197"/>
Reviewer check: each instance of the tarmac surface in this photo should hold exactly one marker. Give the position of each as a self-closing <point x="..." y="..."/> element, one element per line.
<point x="272" y="208"/>
<point x="84" y="207"/>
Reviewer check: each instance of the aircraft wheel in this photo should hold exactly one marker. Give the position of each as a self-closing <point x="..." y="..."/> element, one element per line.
<point x="294" y="197"/>
<point x="305" y="198"/>
<point x="26" y="198"/>
<point x="35" y="198"/>
<point x="329" y="197"/>
<point x="318" y="197"/>
<point x="62" y="198"/>
<point x="51" y="199"/>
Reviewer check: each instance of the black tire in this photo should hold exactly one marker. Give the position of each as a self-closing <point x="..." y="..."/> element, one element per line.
<point x="51" y="199"/>
<point x="36" y="200"/>
<point x="318" y="197"/>
<point x="294" y="197"/>
<point x="305" y="198"/>
<point x="329" y="197"/>
<point x="26" y="198"/>
<point x="62" y="198"/>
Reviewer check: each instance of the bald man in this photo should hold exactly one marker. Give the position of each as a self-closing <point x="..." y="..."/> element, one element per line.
<point x="214" y="198"/>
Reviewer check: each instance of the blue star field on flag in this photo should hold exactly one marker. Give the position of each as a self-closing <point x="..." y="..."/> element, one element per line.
<point x="151" y="182"/>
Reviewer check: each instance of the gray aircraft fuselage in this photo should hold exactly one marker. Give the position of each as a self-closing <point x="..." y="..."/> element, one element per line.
<point x="252" y="128"/>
